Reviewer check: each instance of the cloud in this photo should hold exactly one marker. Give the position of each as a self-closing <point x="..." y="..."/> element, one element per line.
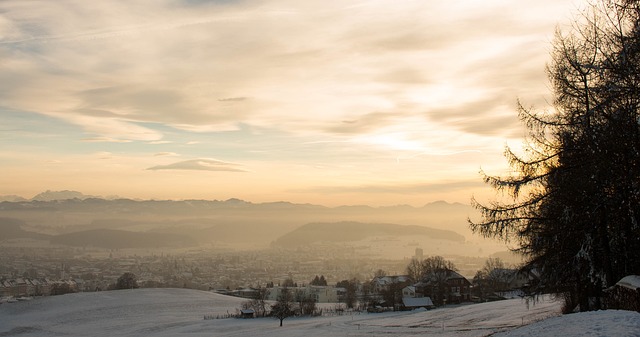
<point x="493" y="116"/>
<point x="364" y="123"/>
<point x="200" y="165"/>
<point x="232" y="99"/>
<point x="349" y="85"/>
<point x="420" y="188"/>
<point x="163" y="154"/>
<point x="104" y="155"/>
<point x="104" y="140"/>
<point x="304" y="64"/>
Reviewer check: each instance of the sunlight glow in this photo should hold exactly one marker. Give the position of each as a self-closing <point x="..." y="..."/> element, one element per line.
<point x="274" y="86"/>
<point x="392" y="141"/>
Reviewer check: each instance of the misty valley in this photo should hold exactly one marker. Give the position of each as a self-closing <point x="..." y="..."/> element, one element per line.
<point x="228" y="244"/>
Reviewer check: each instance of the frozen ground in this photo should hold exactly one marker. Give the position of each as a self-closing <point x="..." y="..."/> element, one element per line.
<point x="180" y="312"/>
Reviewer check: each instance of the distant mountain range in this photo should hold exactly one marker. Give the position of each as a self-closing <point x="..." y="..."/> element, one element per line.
<point x="60" y="195"/>
<point x="70" y="199"/>
<point x="52" y="195"/>
<point x="73" y="218"/>
<point x="305" y="235"/>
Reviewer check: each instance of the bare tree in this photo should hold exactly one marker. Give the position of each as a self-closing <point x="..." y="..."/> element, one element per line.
<point x="306" y="302"/>
<point x="415" y="269"/>
<point x="435" y="272"/>
<point x="351" y="287"/>
<point x="419" y="269"/>
<point x="258" y="302"/>
<point x="283" y="307"/>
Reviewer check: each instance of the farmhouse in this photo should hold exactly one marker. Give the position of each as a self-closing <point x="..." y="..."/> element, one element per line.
<point x="445" y="286"/>
<point x="625" y="294"/>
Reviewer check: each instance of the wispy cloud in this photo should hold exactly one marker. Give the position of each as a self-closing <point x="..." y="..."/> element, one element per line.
<point x="369" y="90"/>
<point x="165" y="154"/>
<point x="419" y="188"/>
<point x="334" y="62"/>
<point x="365" y="123"/>
<point x="104" y="140"/>
<point x="104" y="155"/>
<point x="232" y="99"/>
<point x="200" y="165"/>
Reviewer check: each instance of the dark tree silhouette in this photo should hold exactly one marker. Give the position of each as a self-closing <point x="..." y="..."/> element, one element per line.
<point x="418" y="269"/>
<point x="127" y="281"/>
<point x="319" y="281"/>
<point x="306" y="303"/>
<point x="574" y="201"/>
<point x="289" y="283"/>
<point x="351" y="287"/>
<point x="283" y="307"/>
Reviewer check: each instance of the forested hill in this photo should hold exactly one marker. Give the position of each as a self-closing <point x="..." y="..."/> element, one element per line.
<point x="356" y="231"/>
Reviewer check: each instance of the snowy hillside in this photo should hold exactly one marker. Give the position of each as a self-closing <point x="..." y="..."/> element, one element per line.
<point x="176" y="312"/>
<point x="617" y="323"/>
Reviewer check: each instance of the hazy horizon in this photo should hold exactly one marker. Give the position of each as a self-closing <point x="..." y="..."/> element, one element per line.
<point x="51" y="195"/>
<point x="331" y="103"/>
<point x="393" y="231"/>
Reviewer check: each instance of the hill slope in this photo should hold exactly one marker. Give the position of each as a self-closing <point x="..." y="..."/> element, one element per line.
<point x="179" y="312"/>
<point x="11" y="229"/>
<point x="354" y="231"/>
<point x="137" y="312"/>
<point x="117" y="239"/>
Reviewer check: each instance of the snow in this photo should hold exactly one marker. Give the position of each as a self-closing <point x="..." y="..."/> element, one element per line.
<point x="417" y="302"/>
<point x="632" y="282"/>
<point x="180" y="312"/>
<point x="617" y="323"/>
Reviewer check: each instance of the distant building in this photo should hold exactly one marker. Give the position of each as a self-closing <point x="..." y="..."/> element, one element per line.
<point x="247" y="313"/>
<point x="244" y="292"/>
<point x="383" y="283"/>
<point x="321" y="294"/>
<point x="410" y="291"/>
<point x="445" y="286"/>
<point x="410" y="303"/>
<point x="21" y="287"/>
<point x="625" y="294"/>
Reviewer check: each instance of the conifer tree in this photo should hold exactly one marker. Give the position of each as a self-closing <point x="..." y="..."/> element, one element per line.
<point x="573" y="203"/>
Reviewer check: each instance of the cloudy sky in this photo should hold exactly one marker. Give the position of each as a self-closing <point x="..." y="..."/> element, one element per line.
<point x="331" y="102"/>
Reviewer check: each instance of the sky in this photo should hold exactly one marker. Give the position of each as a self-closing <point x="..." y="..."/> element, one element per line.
<point x="378" y="102"/>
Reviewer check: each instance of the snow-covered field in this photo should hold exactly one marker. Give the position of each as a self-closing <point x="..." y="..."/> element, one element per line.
<point x="180" y="312"/>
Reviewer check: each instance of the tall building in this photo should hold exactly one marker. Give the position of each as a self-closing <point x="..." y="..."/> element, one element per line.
<point x="419" y="253"/>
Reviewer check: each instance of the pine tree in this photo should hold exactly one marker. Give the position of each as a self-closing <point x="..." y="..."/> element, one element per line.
<point x="575" y="197"/>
